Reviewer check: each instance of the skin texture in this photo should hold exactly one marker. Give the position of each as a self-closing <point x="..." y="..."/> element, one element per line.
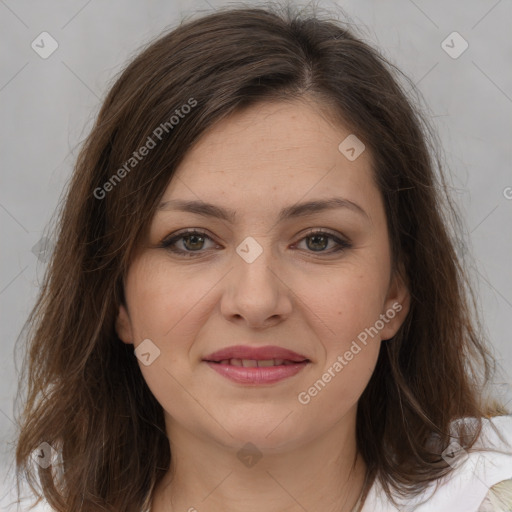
<point x="297" y="294"/>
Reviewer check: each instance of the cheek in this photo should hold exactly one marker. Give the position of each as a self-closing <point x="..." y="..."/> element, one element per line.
<point x="353" y="341"/>
<point x="347" y="299"/>
<point x="348" y="305"/>
<point x="162" y="300"/>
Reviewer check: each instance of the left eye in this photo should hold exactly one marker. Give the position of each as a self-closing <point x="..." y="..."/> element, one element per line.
<point x="193" y="242"/>
<point x="320" y="238"/>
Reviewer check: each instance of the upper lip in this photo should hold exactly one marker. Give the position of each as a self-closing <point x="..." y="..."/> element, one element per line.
<point x="256" y="353"/>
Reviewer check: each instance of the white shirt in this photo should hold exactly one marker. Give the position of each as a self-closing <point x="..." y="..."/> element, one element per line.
<point x="466" y="486"/>
<point x="463" y="490"/>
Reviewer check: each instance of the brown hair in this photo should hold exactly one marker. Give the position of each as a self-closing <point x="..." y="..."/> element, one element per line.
<point x="85" y="393"/>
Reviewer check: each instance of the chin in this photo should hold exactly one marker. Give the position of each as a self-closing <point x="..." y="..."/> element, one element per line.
<point x="268" y="434"/>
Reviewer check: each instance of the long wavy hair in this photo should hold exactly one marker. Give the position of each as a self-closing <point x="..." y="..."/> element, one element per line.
<point x="81" y="388"/>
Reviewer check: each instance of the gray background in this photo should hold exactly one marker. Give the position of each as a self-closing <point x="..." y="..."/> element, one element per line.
<point x="48" y="106"/>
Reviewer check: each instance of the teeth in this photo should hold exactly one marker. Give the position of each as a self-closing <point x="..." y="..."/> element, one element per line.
<point x="253" y="363"/>
<point x="268" y="362"/>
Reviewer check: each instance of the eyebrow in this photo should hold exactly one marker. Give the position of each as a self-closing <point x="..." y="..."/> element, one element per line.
<point x="295" y="210"/>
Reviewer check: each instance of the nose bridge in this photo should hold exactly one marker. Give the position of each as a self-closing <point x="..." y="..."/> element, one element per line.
<point x="256" y="257"/>
<point x="255" y="292"/>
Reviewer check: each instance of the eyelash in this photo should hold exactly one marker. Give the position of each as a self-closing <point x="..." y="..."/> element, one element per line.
<point x="169" y="242"/>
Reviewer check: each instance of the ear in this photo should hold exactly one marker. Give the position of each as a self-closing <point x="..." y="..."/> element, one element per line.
<point x="124" y="325"/>
<point x="396" y="305"/>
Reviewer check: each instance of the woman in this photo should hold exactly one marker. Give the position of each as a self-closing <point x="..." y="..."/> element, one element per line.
<point x="254" y="302"/>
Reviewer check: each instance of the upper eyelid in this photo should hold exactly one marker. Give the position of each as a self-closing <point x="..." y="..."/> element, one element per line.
<point x="202" y="231"/>
<point x="177" y="235"/>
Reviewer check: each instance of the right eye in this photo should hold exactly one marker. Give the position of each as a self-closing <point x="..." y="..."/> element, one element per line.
<point x="192" y="240"/>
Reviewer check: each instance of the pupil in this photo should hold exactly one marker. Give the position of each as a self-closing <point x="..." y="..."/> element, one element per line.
<point x="317" y="237"/>
<point x="194" y="237"/>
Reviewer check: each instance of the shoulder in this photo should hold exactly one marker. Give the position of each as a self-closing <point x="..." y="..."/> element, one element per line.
<point x="482" y="473"/>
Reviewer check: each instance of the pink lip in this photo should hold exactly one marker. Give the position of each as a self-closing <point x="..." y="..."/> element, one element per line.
<point x="257" y="375"/>
<point x="256" y="353"/>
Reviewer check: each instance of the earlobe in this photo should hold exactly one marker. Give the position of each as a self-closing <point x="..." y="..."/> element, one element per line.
<point x="123" y="325"/>
<point x="396" y="306"/>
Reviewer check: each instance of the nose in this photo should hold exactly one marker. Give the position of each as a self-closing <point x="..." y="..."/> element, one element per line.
<point x="255" y="289"/>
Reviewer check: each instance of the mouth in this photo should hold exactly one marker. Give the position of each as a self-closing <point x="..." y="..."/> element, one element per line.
<point x="257" y="372"/>
<point x="250" y="353"/>
<point x="257" y="363"/>
<point x="256" y="366"/>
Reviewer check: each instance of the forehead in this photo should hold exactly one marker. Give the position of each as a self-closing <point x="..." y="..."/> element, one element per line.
<point x="272" y="152"/>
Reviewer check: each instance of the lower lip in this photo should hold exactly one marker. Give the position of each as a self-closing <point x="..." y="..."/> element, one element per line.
<point x="257" y="375"/>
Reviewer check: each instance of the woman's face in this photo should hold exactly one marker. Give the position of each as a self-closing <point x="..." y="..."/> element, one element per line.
<point x="259" y="279"/>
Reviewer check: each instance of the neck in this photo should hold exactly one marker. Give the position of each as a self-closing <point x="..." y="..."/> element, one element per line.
<point x="325" y="473"/>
